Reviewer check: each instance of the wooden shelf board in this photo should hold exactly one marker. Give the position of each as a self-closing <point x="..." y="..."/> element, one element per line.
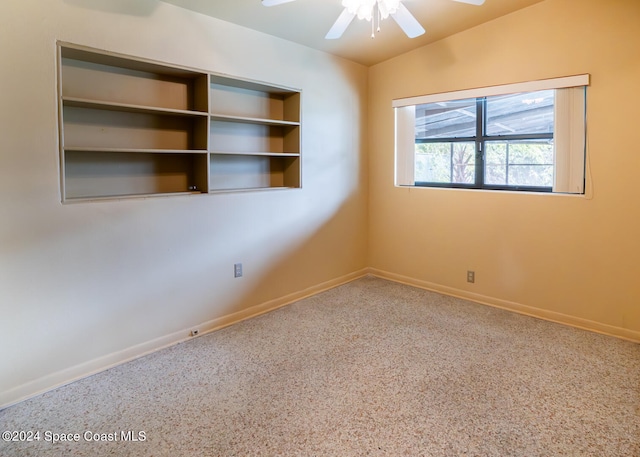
<point x="250" y="85"/>
<point x="253" y="120"/>
<point x="130" y="196"/>
<point x="260" y="154"/>
<point x="248" y="189"/>
<point x="100" y="57"/>
<point x="98" y="104"/>
<point x="140" y="151"/>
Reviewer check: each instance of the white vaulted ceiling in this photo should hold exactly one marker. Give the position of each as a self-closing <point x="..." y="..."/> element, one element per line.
<point x="307" y="21"/>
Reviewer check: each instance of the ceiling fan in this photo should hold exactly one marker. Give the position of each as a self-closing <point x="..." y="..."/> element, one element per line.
<point x="372" y="9"/>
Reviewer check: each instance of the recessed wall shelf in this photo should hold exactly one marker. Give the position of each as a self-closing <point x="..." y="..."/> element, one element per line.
<point x="132" y="127"/>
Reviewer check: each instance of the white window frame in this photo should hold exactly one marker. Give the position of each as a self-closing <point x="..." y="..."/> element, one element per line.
<point x="569" y="128"/>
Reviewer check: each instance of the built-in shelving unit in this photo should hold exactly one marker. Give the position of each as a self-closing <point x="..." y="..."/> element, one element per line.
<point x="132" y="127"/>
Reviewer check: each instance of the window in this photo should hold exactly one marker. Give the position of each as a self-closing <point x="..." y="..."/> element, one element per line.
<point x="528" y="137"/>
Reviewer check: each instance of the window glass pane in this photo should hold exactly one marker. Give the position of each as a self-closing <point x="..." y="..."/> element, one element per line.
<point x="516" y="114"/>
<point x="452" y="162"/>
<point x="453" y="119"/>
<point x="519" y="163"/>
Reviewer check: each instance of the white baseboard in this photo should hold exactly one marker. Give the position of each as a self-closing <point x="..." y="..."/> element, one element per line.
<point x="83" y="370"/>
<point x="539" y="313"/>
<point x="63" y="377"/>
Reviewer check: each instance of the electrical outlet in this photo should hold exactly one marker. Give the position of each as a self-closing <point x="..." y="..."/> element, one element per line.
<point x="195" y="332"/>
<point x="471" y="276"/>
<point x="237" y="270"/>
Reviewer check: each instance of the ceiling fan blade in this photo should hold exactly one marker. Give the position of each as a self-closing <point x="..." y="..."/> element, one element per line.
<point x="275" y="2"/>
<point x="340" y="25"/>
<point x="471" y="2"/>
<point x="407" y="22"/>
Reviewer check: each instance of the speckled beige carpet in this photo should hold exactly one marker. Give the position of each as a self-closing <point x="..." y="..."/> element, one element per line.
<point x="371" y="368"/>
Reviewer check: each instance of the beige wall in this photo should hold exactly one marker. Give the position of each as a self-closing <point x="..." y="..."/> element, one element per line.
<point x="86" y="285"/>
<point x="571" y="259"/>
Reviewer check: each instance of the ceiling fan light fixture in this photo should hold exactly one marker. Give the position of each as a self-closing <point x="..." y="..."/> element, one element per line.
<point x="364" y="9"/>
<point x="388" y="7"/>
